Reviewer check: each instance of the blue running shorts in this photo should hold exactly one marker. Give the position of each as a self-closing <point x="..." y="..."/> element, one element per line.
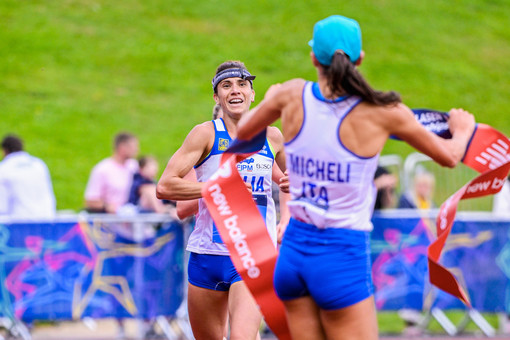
<point x="331" y="265"/>
<point x="216" y="272"/>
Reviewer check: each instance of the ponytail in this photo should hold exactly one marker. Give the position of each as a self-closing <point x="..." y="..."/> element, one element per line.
<point x="342" y="76"/>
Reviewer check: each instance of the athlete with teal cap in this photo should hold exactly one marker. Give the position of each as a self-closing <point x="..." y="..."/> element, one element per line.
<point x="334" y="130"/>
<point x="336" y="33"/>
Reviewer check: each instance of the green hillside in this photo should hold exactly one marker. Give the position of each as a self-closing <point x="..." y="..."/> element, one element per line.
<point x="75" y="72"/>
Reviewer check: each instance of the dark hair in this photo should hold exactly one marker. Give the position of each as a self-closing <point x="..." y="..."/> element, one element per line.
<point x="342" y="76"/>
<point x="122" y="137"/>
<point x="380" y="171"/>
<point x="216" y="111"/>
<point x="381" y="199"/>
<point x="142" y="161"/>
<point x="229" y="64"/>
<point x="12" y="143"/>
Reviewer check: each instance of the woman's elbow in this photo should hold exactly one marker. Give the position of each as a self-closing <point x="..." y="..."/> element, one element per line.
<point x="181" y="214"/>
<point x="450" y="162"/>
<point x="453" y="163"/>
<point x="163" y="192"/>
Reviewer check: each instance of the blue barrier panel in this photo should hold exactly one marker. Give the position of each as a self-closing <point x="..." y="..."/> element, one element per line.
<point x="69" y="270"/>
<point x="478" y="251"/>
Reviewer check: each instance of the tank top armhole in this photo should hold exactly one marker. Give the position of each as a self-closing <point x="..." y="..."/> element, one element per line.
<point x="273" y="153"/>
<point x="338" y="133"/>
<point x="203" y="161"/>
<point x="304" y="114"/>
<point x="214" y="145"/>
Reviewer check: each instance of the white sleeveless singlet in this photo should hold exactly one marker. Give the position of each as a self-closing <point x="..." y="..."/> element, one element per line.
<point x="256" y="170"/>
<point x="330" y="186"/>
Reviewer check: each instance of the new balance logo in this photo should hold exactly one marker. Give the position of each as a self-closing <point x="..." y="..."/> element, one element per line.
<point x="495" y="155"/>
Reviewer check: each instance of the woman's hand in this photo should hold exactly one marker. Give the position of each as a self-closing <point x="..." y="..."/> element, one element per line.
<point x="284" y="182"/>
<point x="461" y="122"/>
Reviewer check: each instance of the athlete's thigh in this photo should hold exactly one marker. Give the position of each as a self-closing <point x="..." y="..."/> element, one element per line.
<point x="303" y="316"/>
<point x="355" y="322"/>
<point x="244" y="313"/>
<point x="207" y="310"/>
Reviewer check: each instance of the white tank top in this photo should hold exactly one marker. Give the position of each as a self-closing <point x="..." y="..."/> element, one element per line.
<point x="256" y="170"/>
<point x="330" y="186"/>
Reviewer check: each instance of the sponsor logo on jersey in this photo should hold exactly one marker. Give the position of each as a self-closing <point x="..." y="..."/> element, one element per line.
<point x="263" y="151"/>
<point x="245" y="165"/>
<point x="222" y="144"/>
<point x="265" y="166"/>
<point x="247" y="161"/>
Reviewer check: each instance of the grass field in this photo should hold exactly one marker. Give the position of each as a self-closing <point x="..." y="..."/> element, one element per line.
<point x="75" y="72"/>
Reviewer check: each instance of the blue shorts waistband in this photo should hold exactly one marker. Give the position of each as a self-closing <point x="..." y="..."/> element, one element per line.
<point x="300" y="226"/>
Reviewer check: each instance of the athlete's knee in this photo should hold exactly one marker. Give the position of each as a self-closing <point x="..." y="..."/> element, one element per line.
<point x="206" y="331"/>
<point x="244" y="334"/>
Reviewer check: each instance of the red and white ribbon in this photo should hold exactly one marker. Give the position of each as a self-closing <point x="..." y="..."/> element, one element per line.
<point x="245" y="235"/>
<point x="243" y="229"/>
<point x="487" y="153"/>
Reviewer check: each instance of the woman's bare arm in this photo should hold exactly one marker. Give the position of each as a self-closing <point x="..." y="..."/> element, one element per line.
<point x="172" y="185"/>
<point x="446" y="152"/>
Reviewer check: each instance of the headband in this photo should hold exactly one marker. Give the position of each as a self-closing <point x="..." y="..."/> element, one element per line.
<point x="232" y="73"/>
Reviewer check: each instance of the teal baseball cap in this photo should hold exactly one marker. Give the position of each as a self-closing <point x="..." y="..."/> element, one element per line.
<point x="336" y="33"/>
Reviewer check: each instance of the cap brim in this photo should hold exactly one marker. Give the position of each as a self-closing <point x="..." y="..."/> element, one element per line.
<point x="310" y="43"/>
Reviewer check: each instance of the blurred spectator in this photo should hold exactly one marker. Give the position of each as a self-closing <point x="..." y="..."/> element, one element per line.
<point x="110" y="180"/>
<point x="26" y="191"/>
<point x="143" y="189"/>
<point x="386" y="184"/>
<point x="501" y="203"/>
<point x="420" y="195"/>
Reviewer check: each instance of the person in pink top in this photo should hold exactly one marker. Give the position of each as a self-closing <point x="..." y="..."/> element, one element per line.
<point x="110" y="180"/>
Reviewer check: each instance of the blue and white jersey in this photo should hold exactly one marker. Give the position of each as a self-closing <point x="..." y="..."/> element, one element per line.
<point x="256" y="170"/>
<point x="330" y="186"/>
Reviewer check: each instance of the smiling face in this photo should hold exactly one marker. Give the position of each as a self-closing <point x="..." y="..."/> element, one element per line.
<point x="235" y="96"/>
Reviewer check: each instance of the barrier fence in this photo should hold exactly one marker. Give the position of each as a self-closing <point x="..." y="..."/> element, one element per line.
<point x="478" y="251"/>
<point x="102" y="266"/>
<point x="94" y="266"/>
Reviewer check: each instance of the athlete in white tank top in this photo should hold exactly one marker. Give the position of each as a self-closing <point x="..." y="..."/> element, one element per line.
<point x="326" y="293"/>
<point x="330" y="185"/>
<point x="214" y="284"/>
<point x="256" y="170"/>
